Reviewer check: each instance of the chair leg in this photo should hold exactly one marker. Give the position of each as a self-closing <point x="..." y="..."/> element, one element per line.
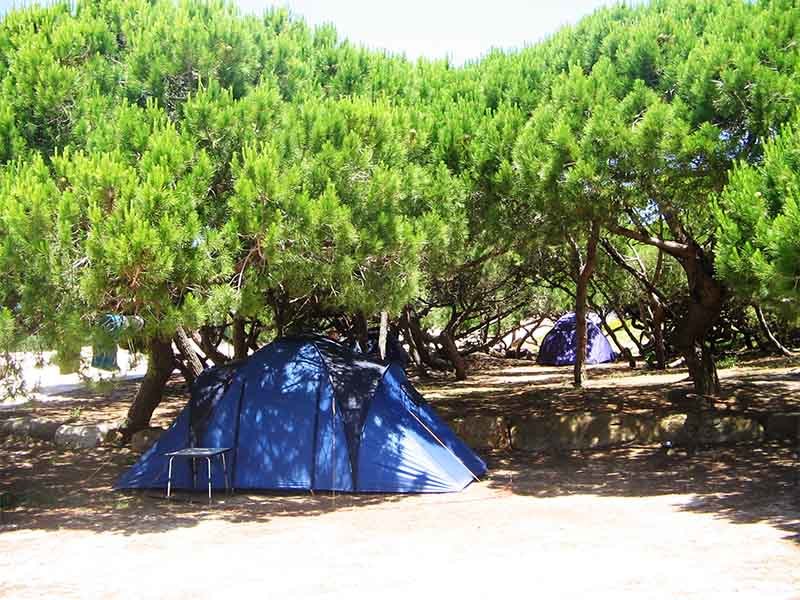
<point x="225" y="472"/>
<point x="208" y="458"/>
<point x="169" y="476"/>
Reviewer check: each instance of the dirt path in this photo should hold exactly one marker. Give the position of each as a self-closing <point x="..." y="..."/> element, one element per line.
<point x="486" y="545"/>
<point x="628" y="523"/>
<point x="480" y="544"/>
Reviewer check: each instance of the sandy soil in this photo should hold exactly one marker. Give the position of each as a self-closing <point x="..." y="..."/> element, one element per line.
<point x="632" y="522"/>
<point x="494" y="387"/>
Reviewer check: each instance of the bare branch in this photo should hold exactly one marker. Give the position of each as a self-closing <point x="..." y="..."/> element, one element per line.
<point x="641" y="278"/>
<point x="672" y="248"/>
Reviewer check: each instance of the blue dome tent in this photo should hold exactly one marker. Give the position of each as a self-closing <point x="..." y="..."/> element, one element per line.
<point x="308" y="413"/>
<point x="558" y="346"/>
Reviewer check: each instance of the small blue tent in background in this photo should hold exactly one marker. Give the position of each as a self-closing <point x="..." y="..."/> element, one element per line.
<point x="558" y="346"/>
<point x="308" y="413"/>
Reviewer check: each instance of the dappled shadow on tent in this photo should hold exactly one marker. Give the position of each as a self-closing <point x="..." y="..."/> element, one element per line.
<point x="272" y="420"/>
<point x="308" y="413"/>
<point x="740" y="483"/>
<point x="559" y="346"/>
<point x="277" y="413"/>
<point x="354" y="381"/>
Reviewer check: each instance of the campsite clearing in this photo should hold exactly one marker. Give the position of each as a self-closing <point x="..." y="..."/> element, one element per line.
<point x="626" y="522"/>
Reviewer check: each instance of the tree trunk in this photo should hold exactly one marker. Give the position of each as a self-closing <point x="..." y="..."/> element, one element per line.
<point x="361" y="330"/>
<point x="768" y="332"/>
<point x="159" y="368"/>
<point x="516" y="349"/>
<point x="631" y="336"/>
<point x="702" y="369"/>
<point x="190" y="358"/>
<point x="748" y="340"/>
<point x="623" y="325"/>
<point x="182" y="365"/>
<point x="652" y="313"/>
<point x="415" y="329"/>
<point x="252" y="337"/>
<point x="211" y="351"/>
<point x="581" y="293"/>
<point x="452" y="353"/>
<point x="405" y="329"/>
<point x="657" y="300"/>
<point x="239" y="339"/>
<point x="706" y="296"/>
<point x="415" y="356"/>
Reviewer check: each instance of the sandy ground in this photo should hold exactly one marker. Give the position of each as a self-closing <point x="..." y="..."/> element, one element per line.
<point x="627" y="523"/>
<point x="514" y="533"/>
<point x="495" y="387"/>
<point x="484" y="546"/>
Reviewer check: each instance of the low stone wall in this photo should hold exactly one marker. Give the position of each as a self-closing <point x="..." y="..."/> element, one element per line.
<point x="585" y="431"/>
<point x="82" y="436"/>
<point x="61" y="434"/>
<point x="571" y="431"/>
<point x="483" y="432"/>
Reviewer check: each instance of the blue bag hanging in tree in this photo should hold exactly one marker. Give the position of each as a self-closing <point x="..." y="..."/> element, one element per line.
<point x="104" y="351"/>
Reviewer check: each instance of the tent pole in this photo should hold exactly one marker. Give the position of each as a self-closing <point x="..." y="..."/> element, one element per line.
<point x="333" y="423"/>
<point x="442" y="444"/>
<point x="314" y="443"/>
<point x="235" y="458"/>
<point x="333" y="444"/>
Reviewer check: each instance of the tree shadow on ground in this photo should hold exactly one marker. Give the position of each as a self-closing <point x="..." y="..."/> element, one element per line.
<point x="54" y="488"/>
<point x="763" y="391"/>
<point x="58" y="488"/>
<point x="89" y="406"/>
<point x="742" y="483"/>
<point x="511" y="388"/>
<point x="61" y="489"/>
<point x="520" y="391"/>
